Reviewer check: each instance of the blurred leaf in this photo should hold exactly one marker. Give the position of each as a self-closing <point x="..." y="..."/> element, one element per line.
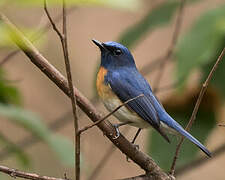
<point x="160" y="16"/>
<point x="181" y="110"/>
<point x="32" y="123"/>
<point x="8" y="94"/>
<point x="128" y="4"/>
<point x="18" y="152"/>
<point x="6" y="36"/>
<point x="197" y="47"/>
<point x="219" y="74"/>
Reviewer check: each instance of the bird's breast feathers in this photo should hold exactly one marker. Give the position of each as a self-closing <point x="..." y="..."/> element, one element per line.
<point x="111" y="102"/>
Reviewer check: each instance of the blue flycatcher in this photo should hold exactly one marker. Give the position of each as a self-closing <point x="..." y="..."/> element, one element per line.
<point x="118" y="81"/>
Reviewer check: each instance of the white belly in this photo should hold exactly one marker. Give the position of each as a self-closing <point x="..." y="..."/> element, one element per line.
<point x="124" y="114"/>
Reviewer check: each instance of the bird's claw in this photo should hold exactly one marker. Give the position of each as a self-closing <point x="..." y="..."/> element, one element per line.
<point x="116" y="126"/>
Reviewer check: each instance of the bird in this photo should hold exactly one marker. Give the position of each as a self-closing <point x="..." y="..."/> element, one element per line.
<point x="118" y="81"/>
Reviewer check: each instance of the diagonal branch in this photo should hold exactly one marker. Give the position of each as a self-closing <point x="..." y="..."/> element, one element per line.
<point x="16" y="173"/>
<point x="108" y="115"/>
<point x="140" y="158"/>
<point x="197" y="104"/>
<point x="35" y="36"/>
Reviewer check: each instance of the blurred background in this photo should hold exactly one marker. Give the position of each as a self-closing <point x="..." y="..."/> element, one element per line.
<point x="36" y="131"/>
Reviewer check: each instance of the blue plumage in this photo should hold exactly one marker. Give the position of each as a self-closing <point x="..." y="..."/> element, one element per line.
<point x="125" y="82"/>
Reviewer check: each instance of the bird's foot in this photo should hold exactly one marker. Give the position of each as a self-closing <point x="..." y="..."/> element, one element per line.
<point x="116" y="126"/>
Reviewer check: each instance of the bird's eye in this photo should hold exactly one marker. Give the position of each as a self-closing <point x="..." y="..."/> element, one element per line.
<point x="117" y="52"/>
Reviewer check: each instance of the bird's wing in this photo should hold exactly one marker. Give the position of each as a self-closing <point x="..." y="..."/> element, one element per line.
<point x="127" y="88"/>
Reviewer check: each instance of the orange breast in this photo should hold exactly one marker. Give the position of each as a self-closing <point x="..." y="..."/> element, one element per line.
<point x="104" y="91"/>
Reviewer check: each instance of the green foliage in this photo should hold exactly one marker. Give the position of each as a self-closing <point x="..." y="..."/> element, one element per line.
<point x="8" y="93"/>
<point x="127" y="4"/>
<point x="32" y="123"/>
<point x="163" y="152"/>
<point x="6" y="36"/>
<point x="197" y="47"/>
<point x="158" y="17"/>
<point x="218" y="76"/>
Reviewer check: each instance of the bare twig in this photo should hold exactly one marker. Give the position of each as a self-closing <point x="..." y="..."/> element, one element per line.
<point x="52" y="21"/>
<point x="16" y="173"/>
<point x="63" y="38"/>
<point x="140" y="158"/>
<point x="36" y="36"/>
<point x="108" y="115"/>
<point x="161" y="61"/>
<point x="170" y="50"/>
<point x="144" y="177"/>
<point x="8" y="57"/>
<point x="197" y="104"/>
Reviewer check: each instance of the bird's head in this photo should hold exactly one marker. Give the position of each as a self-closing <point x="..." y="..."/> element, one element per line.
<point x="114" y="55"/>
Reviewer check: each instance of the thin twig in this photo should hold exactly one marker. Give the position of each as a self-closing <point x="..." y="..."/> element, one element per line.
<point x="52" y="21"/>
<point x="35" y="36"/>
<point x="63" y="38"/>
<point x="163" y="60"/>
<point x="108" y="115"/>
<point x="20" y="174"/>
<point x="170" y="51"/>
<point x="8" y="56"/>
<point x="197" y="104"/>
<point x="143" y="160"/>
<point x="72" y="96"/>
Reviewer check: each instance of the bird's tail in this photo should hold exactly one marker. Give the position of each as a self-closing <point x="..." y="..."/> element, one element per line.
<point x="174" y="125"/>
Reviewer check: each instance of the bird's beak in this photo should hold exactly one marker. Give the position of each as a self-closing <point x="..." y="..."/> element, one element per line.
<point x="99" y="44"/>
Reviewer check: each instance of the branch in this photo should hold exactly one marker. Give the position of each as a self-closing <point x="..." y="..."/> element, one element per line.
<point x="197" y="104"/>
<point x="63" y="38"/>
<point x="140" y="158"/>
<point x="161" y="61"/>
<point x="144" y="177"/>
<point x="170" y="50"/>
<point x="35" y="36"/>
<point x="16" y="173"/>
<point x="108" y="115"/>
